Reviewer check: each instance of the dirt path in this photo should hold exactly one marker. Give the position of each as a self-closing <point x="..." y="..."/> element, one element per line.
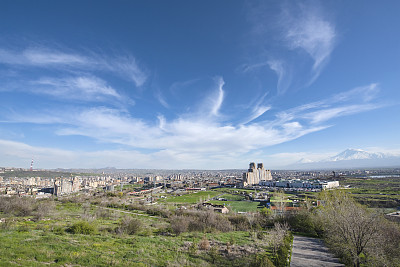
<point x="310" y="252"/>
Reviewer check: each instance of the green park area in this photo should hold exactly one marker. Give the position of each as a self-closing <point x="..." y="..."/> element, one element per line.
<point x="239" y="206"/>
<point x="193" y="197"/>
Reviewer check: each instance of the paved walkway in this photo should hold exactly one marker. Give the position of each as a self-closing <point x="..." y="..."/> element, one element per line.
<point x="310" y="252"/>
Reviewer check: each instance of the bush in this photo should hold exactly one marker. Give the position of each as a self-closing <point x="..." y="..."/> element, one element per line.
<point x="129" y="225"/>
<point x="58" y="230"/>
<point x="208" y="220"/>
<point x="7" y="224"/>
<point x="239" y="222"/>
<point x="43" y="209"/>
<point x="204" y="243"/>
<point x="82" y="227"/>
<point x="18" y="206"/>
<point x="262" y="260"/>
<point x="303" y="222"/>
<point x="179" y="224"/>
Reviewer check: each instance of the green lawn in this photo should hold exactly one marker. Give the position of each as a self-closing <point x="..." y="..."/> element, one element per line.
<point x="233" y="197"/>
<point x="277" y="199"/>
<point x="238" y="206"/>
<point x="193" y="198"/>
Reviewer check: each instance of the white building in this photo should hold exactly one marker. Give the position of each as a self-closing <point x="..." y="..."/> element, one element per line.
<point x="254" y="175"/>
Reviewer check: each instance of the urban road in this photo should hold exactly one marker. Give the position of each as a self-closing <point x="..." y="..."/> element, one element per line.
<point x="311" y="252"/>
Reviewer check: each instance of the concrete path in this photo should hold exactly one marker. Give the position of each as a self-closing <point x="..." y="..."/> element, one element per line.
<point x="310" y="252"/>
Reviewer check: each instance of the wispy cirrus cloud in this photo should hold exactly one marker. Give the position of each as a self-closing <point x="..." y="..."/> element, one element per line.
<point x="283" y="73"/>
<point x="41" y="57"/>
<point x="124" y="66"/>
<point x="307" y="29"/>
<point x="353" y="101"/>
<point x="206" y="135"/>
<point x="217" y="99"/>
<point x="302" y="33"/>
<point x="87" y="88"/>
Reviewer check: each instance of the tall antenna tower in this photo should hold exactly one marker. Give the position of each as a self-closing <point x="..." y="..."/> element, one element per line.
<point x="31" y="165"/>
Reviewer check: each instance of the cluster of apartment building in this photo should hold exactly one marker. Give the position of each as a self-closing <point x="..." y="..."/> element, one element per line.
<point x="260" y="176"/>
<point x="254" y="175"/>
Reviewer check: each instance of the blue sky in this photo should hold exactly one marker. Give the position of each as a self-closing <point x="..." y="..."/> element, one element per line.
<point x="196" y="84"/>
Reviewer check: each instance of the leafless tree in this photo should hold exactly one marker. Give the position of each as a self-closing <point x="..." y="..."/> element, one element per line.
<point x="349" y="228"/>
<point x="179" y="224"/>
<point x="275" y="237"/>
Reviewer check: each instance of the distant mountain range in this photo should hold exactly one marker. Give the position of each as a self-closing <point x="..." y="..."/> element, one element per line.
<point x="352" y="154"/>
<point x="351" y="158"/>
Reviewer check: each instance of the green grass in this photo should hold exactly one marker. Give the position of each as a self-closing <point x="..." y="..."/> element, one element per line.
<point x="51" y="242"/>
<point x="45" y="248"/>
<point x="238" y="206"/>
<point x="277" y="199"/>
<point x="193" y="198"/>
<point x="233" y="197"/>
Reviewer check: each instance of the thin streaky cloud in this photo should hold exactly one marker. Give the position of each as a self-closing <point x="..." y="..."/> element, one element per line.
<point x="330" y="113"/>
<point x="219" y="98"/>
<point x="43" y="57"/>
<point x="125" y="66"/>
<point x="282" y="71"/>
<point x="159" y="96"/>
<point x="81" y="87"/>
<point x="187" y="134"/>
<point x="312" y="33"/>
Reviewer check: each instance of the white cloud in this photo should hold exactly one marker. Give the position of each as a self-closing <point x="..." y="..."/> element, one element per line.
<point x="216" y="99"/>
<point x="203" y="139"/>
<point x="330" y="113"/>
<point x="86" y="88"/>
<point x="308" y="30"/>
<point x="363" y="93"/>
<point x="41" y="57"/>
<point x="258" y="111"/>
<point x="282" y="73"/>
<point x="125" y="66"/>
<point x="47" y="57"/>
<point x="161" y="99"/>
<point x="353" y="101"/>
<point x="219" y="98"/>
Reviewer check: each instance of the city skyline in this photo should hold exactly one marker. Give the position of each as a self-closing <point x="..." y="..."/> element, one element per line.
<point x="196" y="85"/>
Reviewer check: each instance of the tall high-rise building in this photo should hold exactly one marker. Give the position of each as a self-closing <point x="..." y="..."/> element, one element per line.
<point x="254" y="175"/>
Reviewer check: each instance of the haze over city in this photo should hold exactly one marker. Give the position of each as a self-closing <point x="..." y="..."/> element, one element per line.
<point x="197" y="84"/>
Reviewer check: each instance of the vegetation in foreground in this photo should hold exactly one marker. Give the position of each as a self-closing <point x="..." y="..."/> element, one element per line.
<point x="118" y="230"/>
<point x="101" y="231"/>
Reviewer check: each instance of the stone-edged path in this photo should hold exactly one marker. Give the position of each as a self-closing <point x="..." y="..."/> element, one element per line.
<point x="310" y="252"/>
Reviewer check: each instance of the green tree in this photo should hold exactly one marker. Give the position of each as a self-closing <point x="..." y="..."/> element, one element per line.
<point x="349" y="228"/>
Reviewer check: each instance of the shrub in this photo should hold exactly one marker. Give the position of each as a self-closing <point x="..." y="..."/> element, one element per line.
<point x="58" y="230"/>
<point x="129" y="225"/>
<point x="18" y="206"/>
<point x="103" y="213"/>
<point x="239" y="222"/>
<point x="82" y="227"/>
<point x="204" y="243"/>
<point x="23" y="228"/>
<point x="179" y="224"/>
<point x="193" y="248"/>
<point x="262" y="260"/>
<point x="43" y="209"/>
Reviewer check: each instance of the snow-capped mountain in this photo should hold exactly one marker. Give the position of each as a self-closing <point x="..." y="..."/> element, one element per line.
<point x="351" y="154"/>
<point x="350" y="158"/>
